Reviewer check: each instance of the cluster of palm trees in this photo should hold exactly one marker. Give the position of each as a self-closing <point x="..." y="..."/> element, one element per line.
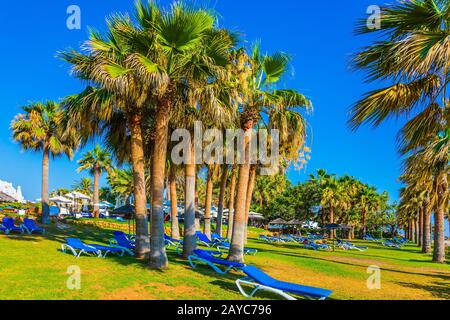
<point x="412" y="53"/>
<point x="162" y="70"/>
<point x="333" y="199"/>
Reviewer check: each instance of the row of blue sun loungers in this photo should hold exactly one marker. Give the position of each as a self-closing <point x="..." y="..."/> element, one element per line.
<point x="260" y="281"/>
<point x="29" y="226"/>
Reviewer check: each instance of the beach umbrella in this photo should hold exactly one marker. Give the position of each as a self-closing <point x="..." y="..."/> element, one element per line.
<point x="60" y="199"/>
<point x="278" y="223"/>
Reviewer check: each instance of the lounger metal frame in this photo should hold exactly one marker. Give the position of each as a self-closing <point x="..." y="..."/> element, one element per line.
<point x="250" y="282"/>
<point x="98" y="253"/>
<point x="195" y="260"/>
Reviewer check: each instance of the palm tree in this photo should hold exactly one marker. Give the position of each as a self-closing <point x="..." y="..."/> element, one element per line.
<point x="411" y="53"/>
<point x="96" y="161"/>
<point x="41" y="128"/>
<point x="367" y="203"/>
<point x="258" y="76"/>
<point x="121" y="182"/>
<point x="84" y="185"/>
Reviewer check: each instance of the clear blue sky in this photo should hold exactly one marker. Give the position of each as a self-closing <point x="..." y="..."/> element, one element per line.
<point x="318" y="34"/>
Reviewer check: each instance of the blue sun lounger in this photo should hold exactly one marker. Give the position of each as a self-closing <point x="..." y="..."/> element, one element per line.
<point x="121" y="241"/>
<point x="226" y="246"/>
<point x="169" y="241"/>
<point x="345" y="245"/>
<point x="217" y="238"/>
<point x="315" y="246"/>
<point x="30" y="226"/>
<point x="77" y="247"/>
<point x="262" y="281"/>
<point x="203" y="239"/>
<point x="208" y="258"/>
<point x="392" y="244"/>
<point x="8" y="224"/>
<point x="270" y="239"/>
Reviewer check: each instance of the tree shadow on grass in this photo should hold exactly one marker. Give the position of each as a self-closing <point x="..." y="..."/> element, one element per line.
<point x="23" y="237"/>
<point x="440" y="290"/>
<point x="444" y="276"/>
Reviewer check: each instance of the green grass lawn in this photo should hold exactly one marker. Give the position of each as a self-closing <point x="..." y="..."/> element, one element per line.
<point x="33" y="267"/>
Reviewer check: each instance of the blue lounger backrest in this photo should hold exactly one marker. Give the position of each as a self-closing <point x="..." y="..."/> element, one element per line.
<point x="122" y="239"/>
<point x="202" y="237"/>
<point x="75" y="243"/>
<point x="30" y="224"/>
<point x="8" y="222"/>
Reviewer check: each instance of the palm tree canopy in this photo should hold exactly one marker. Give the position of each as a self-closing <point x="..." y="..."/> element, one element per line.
<point x="42" y="127"/>
<point x="95" y="160"/>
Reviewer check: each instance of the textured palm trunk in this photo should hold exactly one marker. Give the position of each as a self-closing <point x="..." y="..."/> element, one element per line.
<point x="208" y="202"/>
<point x="439" y="216"/>
<point x="140" y="200"/>
<point x="220" y="206"/>
<point x="189" y="241"/>
<point x="175" y="230"/>
<point x="420" y="227"/>
<point x="236" y="252"/>
<point x="158" y="256"/>
<point x="231" y="203"/>
<point x="426" y="234"/>
<point x="44" y="189"/>
<point x="416" y="228"/>
<point x="332" y="231"/>
<point x="413" y="230"/>
<point x="95" y="197"/>
<point x="363" y="230"/>
<point x="248" y="202"/>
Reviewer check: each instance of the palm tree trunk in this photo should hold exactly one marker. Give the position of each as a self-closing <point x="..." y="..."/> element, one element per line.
<point x="158" y="257"/>
<point x="231" y="203"/>
<point x="250" y="189"/>
<point x="223" y="186"/>
<point x="208" y="202"/>
<point x="363" y="230"/>
<point x="44" y="190"/>
<point x="332" y="231"/>
<point x="426" y="234"/>
<point x="140" y="200"/>
<point x="441" y="186"/>
<point x="189" y="241"/>
<point x="413" y="230"/>
<point x="175" y="230"/>
<point x="237" y="240"/>
<point x="95" y="197"/>
<point x="420" y="227"/>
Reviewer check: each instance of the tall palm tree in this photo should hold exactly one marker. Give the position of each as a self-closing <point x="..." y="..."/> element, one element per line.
<point x="96" y="161"/>
<point x="41" y="128"/>
<point x="259" y="75"/>
<point x="412" y="53"/>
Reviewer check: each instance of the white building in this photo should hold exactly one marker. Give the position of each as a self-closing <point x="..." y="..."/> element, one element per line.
<point x="7" y="187"/>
